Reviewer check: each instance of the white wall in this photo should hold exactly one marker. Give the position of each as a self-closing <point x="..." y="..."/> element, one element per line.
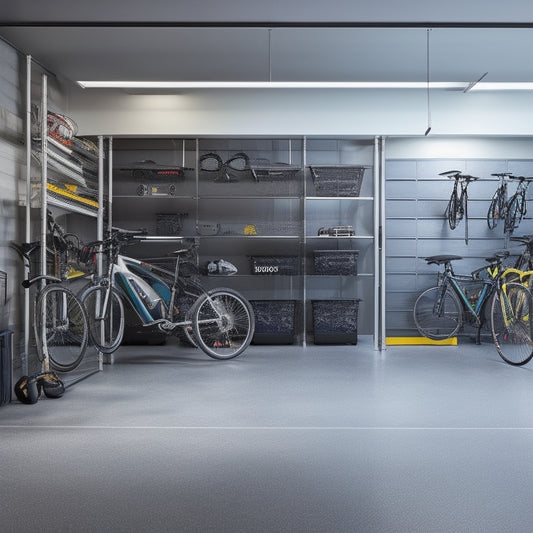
<point x="308" y="112"/>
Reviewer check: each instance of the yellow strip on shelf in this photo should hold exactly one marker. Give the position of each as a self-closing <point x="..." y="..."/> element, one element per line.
<point x="414" y="341"/>
<point x="67" y="194"/>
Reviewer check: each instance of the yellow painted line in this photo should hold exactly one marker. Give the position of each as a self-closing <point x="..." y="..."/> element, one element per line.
<point x="410" y="341"/>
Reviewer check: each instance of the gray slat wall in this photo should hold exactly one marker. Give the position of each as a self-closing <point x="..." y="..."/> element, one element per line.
<point x="416" y="200"/>
<point x="12" y="182"/>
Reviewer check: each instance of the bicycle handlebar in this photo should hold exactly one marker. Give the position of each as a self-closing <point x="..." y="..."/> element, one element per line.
<point x="522" y="178"/>
<point x="27" y="283"/>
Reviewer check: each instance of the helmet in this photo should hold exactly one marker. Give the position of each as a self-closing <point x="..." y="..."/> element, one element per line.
<point x="27" y="389"/>
<point x="52" y="386"/>
<point x="221" y="267"/>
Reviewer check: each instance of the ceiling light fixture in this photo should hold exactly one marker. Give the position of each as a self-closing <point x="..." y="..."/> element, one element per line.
<point x="458" y="85"/>
<point x="503" y="86"/>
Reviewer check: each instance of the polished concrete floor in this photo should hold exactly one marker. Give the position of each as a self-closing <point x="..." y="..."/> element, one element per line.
<point x="282" y="439"/>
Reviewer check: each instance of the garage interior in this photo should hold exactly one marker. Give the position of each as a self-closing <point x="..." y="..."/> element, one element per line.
<point x="371" y="437"/>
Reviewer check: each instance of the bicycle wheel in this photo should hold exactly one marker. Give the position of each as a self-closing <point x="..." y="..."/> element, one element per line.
<point x="223" y="323"/>
<point x="61" y="330"/>
<point x="451" y="211"/>
<point x="515" y="212"/>
<point x="106" y="319"/>
<point x="511" y="324"/>
<point x="438" y="321"/>
<point x="495" y="211"/>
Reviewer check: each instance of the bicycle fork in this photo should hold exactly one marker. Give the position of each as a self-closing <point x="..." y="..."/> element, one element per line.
<point x="516" y="316"/>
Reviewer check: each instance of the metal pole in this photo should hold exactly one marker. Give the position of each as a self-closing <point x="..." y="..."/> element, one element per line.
<point x="100" y="215"/>
<point x="110" y="183"/>
<point x="377" y="261"/>
<point x="44" y="169"/>
<point x="27" y="233"/>
<point x="100" y="225"/>
<point x="383" y="242"/>
<point x="44" y="181"/>
<point x="304" y="231"/>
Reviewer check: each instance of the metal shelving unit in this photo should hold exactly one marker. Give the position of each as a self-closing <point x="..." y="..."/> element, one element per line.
<point x="41" y="197"/>
<point x="277" y="209"/>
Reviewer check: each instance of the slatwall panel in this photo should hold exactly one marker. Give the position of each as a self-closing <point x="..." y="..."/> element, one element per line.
<point x="416" y="199"/>
<point x="12" y="174"/>
<point x="11" y="97"/>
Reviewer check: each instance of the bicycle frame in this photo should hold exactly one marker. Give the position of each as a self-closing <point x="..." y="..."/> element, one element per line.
<point x="517" y="205"/>
<point x="152" y="291"/>
<point x="475" y="312"/>
<point x="457" y="207"/>
<point x="498" y="205"/>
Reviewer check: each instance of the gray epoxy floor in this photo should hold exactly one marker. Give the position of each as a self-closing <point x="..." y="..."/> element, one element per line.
<point x="283" y="439"/>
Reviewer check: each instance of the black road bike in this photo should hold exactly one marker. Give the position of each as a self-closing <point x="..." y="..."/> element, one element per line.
<point x="498" y="205"/>
<point x="457" y="208"/>
<point x="517" y="205"/>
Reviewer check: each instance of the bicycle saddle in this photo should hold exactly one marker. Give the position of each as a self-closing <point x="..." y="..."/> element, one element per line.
<point x="497" y="257"/>
<point x="450" y="173"/>
<point x="441" y="259"/>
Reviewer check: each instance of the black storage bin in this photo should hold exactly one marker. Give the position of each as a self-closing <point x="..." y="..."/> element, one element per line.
<point x="336" y="262"/>
<point x="168" y="224"/>
<point x="265" y="171"/>
<point x="338" y="180"/>
<point x="274" y="321"/>
<point x="275" y="265"/>
<point x="335" y="321"/>
<point x="6" y="368"/>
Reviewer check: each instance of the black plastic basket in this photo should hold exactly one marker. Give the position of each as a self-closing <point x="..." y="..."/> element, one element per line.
<point x="263" y="170"/>
<point x="335" y="321"/>
<point x="338" y="180"/>
<point x="275" y="265"/>
<point x="168" y="223"/>
<point x="274" y="321"/>
<point x="336" y="262"/>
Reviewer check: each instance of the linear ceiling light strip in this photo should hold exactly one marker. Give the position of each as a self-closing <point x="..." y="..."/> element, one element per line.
<point x="132" y="84"/>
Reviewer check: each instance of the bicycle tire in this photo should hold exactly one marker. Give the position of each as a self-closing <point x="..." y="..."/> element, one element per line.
<point x="512" y="336"/>
<point x="463" y="211"/>
<point x="223" y="323"/>
<point x="106" y="330"/>
<point x="515" y="213"/>
<point x="496" y="210"/>
<point x="451" y="212"/>
<point x="61" y="328"/>
<point x="437" y="324"/>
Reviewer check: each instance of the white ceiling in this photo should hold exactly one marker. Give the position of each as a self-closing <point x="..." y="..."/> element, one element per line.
<point x="170" y="41"/>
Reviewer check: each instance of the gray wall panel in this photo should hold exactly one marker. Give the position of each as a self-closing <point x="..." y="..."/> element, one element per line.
<point x="11" y="97"/>
<point x="416" y="198"/>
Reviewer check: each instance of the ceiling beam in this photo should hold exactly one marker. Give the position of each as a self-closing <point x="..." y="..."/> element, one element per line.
<point x="260" y="24"/>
